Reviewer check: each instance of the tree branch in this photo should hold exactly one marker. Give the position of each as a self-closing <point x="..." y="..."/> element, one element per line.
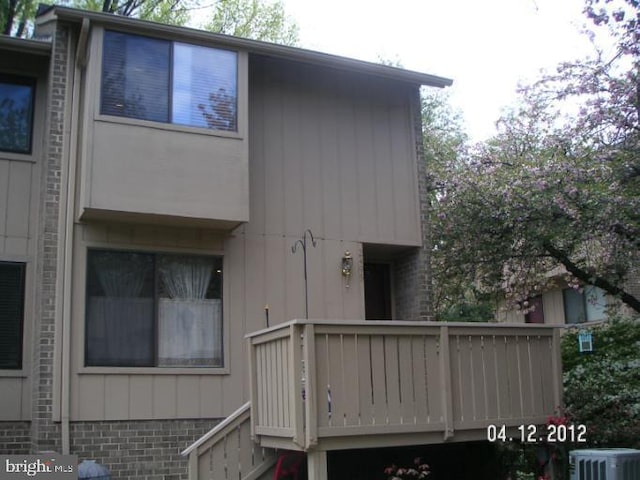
<point x="589" y="279"/>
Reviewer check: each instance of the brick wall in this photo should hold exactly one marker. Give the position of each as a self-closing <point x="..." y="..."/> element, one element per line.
<point x="144" y="450"/>
<point x="412" y="271"/>
<point x="15" y="438"/>
<point x="45" y="435"/>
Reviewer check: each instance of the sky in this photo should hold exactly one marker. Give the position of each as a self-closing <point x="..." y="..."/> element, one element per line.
<point x="486" y="46"/>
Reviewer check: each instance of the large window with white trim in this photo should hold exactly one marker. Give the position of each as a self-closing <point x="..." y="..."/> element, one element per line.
<point x="148" y="309"/>
<point x="163" y="81"/>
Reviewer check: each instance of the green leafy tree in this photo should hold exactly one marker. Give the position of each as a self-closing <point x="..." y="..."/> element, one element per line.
<point x="602" y="388"/>
<point x="257" y="19"/>
<point x="15" y="16"/>
<point x="254" y="19"/>
<point x="559" y="185"/>
<point x="445" y="148"/>
<point x="173" y="12"/>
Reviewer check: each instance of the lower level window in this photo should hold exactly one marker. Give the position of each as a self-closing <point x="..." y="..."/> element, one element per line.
<point x="148" y="309"/>
<point x="586" y="305"/>
<point x="11" y="314"/>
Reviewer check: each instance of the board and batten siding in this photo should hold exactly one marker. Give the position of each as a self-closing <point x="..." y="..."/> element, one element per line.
<point x="331" y="152"/>
<point x="257" y="271"/>
<point x="19" y="200"/>
<point x="327" y="153"/>
<point x="18" y="215"/>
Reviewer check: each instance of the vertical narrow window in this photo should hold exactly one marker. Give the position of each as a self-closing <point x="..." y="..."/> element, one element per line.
<point x="11" y="314"/>
<point x="16" y="113"/>
<point x="120" y="311"/>
<point x="189" y="311"/>
<point x="573" y="306"/>
<point x="204" y="87"/>
<point x="587" y="305"/>
<point x="135" y="77"/>
<point x="595" y="303"/>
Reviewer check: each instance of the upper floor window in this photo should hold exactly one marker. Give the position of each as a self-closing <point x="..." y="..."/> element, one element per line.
<point x="146" y="309"/>
<point x="163" y="81"/>
<point x="11" y="314"/>
<point x="16" y="113"/>
<point x="586" y="305"/>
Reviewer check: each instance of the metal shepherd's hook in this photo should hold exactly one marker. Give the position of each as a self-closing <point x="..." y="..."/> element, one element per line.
<point x="303" y="243"/>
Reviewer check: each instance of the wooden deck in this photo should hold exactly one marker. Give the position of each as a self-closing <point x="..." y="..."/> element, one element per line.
<point x="324" y="385"/>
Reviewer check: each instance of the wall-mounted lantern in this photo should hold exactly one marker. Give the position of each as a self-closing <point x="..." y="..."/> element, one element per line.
<point x="347" y="267"/>
<point x="585" y="341"/>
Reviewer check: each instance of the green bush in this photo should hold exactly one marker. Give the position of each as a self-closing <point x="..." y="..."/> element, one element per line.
<point x="602" y="388"/>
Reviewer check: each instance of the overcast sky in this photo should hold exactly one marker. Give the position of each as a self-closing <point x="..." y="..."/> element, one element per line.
<point x="486" y="46"/>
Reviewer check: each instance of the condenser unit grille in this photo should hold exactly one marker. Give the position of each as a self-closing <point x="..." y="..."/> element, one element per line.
<point x="631" y="469"/>
<point x="592" y="469"/>
<point x="605" y="464"/>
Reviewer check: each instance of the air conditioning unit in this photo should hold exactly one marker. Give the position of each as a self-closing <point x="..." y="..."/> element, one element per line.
<point x="605" y="464"/>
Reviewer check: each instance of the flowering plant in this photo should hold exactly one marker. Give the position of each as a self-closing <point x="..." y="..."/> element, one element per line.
<point x="419" y="470"/>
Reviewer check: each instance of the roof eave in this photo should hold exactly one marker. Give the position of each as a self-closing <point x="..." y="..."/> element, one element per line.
<point x="253" y="46"/>
<point x="21" y="45"/>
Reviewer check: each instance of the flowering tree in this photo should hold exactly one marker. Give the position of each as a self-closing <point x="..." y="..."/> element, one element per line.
<point x="602" y="389"/>
<point x="560" y="183"/>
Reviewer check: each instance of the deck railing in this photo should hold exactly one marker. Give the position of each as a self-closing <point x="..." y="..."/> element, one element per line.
<point x="339" y="383"/>
<point x="227" y="452"/>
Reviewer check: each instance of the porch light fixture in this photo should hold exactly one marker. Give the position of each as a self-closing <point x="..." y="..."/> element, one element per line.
<point x="347" y="266"/>
<point x="585" y="341"/>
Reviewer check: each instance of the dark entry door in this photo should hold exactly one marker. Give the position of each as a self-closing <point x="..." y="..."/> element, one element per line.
<point x="377" y="291"/>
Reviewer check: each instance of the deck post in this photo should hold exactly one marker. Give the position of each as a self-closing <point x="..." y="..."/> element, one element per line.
<point x="309" y="357"/>
<point x="317" y="465"/>
<point x="253" y="388"/>
<point x="445" y="375"/>
<point x="193" y="465"/>
<point x="556" y="367"/>
<point x="295" y="392"/>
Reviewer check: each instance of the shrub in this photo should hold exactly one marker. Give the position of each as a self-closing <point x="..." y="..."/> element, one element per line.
<point x="602" y="388"/>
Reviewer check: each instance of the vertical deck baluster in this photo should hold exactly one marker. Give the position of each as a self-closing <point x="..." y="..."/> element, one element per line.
<point x="534" y="393"/>
<point x="497" y="376"/>
<point x="484" y="378"/>
<point x="472" y="380"/>
<point x="343" y="384"/>
<point x="459" y="372"/>
<point x="518" y="350"/>
<point x="357" y="366"/>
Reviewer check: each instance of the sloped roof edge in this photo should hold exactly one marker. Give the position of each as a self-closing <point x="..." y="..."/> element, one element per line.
<point x="253" y="46"/>
<point x="22" y="45"/>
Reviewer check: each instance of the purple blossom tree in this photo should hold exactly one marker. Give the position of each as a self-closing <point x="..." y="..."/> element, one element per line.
<point x="559" y="185"/>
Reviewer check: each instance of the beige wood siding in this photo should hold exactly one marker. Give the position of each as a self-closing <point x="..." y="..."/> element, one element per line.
<point x="18" y="208"/>
<point x="257" y="271"/>
<point x="553" y="306"/>
<point x="332" y="153"/>
<point x="327" y="153"/>
<point x="148" y="393"/>
<point x="19" y="200"/>
<point x="151" y="172"/>
<point x="15" y="401"/>
<point x="18" y="219"/>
